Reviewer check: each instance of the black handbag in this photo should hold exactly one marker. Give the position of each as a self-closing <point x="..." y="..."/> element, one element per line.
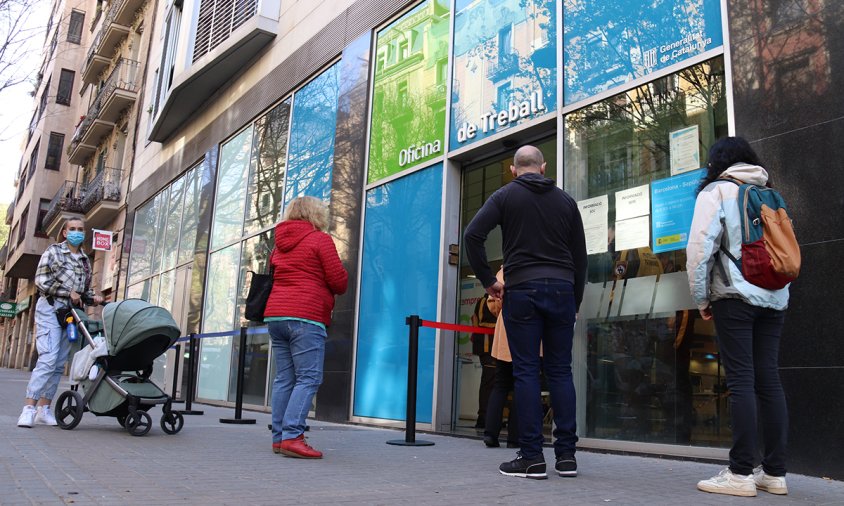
<point x="259" y="293"/>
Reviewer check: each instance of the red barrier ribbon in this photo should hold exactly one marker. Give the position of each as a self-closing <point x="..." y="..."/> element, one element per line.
<point x="457" y="328"/>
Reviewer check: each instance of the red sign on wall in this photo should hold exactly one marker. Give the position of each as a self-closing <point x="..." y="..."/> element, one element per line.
<point x="102" y="240"/>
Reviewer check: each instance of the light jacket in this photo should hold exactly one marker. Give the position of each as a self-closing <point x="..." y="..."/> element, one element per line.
<point x="717" y="220"/>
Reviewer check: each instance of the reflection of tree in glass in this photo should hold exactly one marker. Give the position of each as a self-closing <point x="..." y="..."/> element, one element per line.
<point x="264" y="195"/>
<point x="312" y="138"/>
<point x="231" y="187"/>
<point x="640" y="121"/>
<point x="611" y="51"/>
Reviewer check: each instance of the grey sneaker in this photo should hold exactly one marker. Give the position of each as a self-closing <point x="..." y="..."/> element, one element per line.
<point x="27" y="418"/>
<point x="728" y="483"/>
<point x="768" y="483"/>
<point x="533" y="468"/>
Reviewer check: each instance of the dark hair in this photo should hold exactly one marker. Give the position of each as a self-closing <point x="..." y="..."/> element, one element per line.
<point x="725" y="153"/>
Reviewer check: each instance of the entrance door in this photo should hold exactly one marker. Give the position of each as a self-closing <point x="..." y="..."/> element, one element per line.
<point x="479" y="182"/>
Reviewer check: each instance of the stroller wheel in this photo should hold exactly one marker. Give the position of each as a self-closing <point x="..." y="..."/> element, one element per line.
<point x="138" y="423"/>
<point x="172" y="422"/>
<point x="69" y="409"/>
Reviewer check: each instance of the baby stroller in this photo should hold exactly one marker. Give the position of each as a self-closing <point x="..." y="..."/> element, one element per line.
<point x="132" y="335"/>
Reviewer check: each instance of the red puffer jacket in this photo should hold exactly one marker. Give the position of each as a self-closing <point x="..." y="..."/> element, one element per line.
<point x="308" y="273"/>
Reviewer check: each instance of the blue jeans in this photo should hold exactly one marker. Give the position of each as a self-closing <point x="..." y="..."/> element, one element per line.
<point x="749" y="345"/>
<point x="542" y="310"/>
<point x="53" y="350"/>
<point x="299" y="351"/>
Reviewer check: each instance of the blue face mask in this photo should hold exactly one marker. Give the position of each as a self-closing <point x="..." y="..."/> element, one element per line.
<point x="75" y="237"/>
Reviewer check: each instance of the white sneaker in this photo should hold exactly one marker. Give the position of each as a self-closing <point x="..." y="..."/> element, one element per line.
<point x="728" y="483"/>
<point x="768" y="483"/>
<point x="44" y="416"/>
<point x="27" y="418"/>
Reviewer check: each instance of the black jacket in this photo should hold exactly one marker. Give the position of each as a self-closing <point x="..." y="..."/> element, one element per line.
<point x="542" y="233"/>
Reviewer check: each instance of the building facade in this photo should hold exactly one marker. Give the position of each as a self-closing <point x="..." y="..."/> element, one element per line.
<point x="404" y="116"/>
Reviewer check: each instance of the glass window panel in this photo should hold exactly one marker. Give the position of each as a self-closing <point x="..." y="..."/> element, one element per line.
<point x="609" y="43"/>
<point x="190" y="216"/>
<point x="138" y="290"/>
<point x="221" y="293"/>
<point x="220" y="301"/>
<point x="255" y="258"/>
<point x="652" y="373"/>
<point x="266" y="179"/>
<point x="173" y="219"/>
<point x="312" y="138"/>
<point x="505" y="66"/>
<point x="402" y="222"/>
<point x="165" y="290"/>
<point x="161" y="201"/>
<point x="408" y="111"/>
<point x="255" y="374"/>
<point x="143" y="241"/>
<point x="231" y="189"/>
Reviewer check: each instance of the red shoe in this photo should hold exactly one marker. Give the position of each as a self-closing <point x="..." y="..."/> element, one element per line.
<point x="299" y="448"/>
<point x="276" y="447"/>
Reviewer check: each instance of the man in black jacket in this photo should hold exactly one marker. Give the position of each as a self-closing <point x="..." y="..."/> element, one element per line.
<point x="545" y="268"/>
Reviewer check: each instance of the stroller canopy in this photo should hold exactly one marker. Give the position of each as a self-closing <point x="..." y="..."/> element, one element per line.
<point x="132" y="321"/>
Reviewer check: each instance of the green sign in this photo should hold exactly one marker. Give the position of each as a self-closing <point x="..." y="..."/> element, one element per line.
<point x="8" y="309"/>
<point x="409" y="96"/>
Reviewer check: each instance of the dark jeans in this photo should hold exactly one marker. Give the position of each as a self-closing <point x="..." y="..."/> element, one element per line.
<point x="497" y="399"/>
<point x="749" y="343"/>
<point x="542" y="311"/>
<point x="485" y="388"/>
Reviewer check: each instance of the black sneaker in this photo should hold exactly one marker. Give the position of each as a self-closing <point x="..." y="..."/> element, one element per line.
<point x="566" y="466"/>
<point x="525" y="468"/>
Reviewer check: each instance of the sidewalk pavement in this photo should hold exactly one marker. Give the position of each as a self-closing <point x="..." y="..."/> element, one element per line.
<point x="212" y="463"/>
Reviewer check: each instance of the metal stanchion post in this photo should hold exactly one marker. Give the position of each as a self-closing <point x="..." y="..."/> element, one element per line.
<point x="241" y="366"/>
<point x="193" y="347"/>
<point x="179" y="358"/>
<point x="412" y="359"/>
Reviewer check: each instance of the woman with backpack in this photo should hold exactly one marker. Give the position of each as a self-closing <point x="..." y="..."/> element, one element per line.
<point x="748" y="320"/>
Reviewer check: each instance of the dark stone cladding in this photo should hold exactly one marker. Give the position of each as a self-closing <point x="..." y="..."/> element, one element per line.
<point x="360" y="18"/>
<point x="788" y="73"/>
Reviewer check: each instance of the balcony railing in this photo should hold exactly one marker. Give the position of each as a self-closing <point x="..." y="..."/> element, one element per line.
<point x="105" y="187"/>
<point x="67" y="199"/>
<point x="506" y="64"/>
<point x="119" y="91"/>
<point x="105" y="41"/>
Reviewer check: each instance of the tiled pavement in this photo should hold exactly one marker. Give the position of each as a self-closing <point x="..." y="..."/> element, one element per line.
<point x="213" y="463"/>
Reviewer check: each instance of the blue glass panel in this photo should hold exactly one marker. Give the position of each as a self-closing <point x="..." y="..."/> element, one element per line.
<point x="607" y="43"/>
<point x="505" y="66"/>
<point x="402" y="224"/>
<point x="231" y="189"/>
<point x="311" y="151"/>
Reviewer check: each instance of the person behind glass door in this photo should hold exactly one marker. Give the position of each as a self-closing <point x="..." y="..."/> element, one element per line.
<point x="545" y="268"/>
<point x="503" y="383"/>
<point x="482" y="347"/>
<point x="748" y="321"/>
<point x="308" y="275"/>
<point x="63" y="277"/>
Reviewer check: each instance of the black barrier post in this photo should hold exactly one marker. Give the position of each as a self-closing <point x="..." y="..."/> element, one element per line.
<point x="179" y="358"/>
<point x="193" y="351"/>
<point x="412" y="358"/>
<point x="241" y="366"/>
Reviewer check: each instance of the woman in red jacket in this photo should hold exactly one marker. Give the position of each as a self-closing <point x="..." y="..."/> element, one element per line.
<point x="308" y="274"/>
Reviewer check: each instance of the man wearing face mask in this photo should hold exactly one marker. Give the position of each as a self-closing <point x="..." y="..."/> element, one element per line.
<point x="63" y="277"/>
